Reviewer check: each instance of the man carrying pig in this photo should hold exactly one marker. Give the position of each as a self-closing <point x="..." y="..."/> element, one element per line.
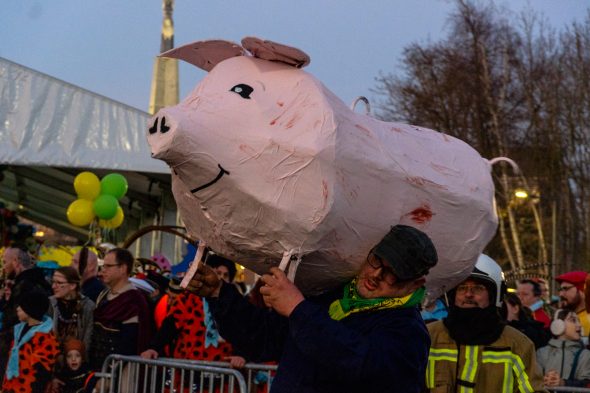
<point x="368" y="337"/>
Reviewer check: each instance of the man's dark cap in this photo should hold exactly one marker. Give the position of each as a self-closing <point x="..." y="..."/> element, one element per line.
<point x="409" y="251"/>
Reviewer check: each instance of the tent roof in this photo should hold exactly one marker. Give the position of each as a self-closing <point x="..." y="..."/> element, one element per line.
<point x="48" y="122"/>
<point x="51" y="130"/>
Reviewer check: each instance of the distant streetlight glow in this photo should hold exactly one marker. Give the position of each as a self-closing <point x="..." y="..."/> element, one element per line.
<point x="522" y="194"/>
<point x="39" y="234"/>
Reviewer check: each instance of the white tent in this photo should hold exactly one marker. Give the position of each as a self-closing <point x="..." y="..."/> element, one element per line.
<point x="51" y="130"/>
<point x="48" y="122"/>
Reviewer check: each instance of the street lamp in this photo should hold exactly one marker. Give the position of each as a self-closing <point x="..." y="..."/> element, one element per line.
<point x="520" y="193"/>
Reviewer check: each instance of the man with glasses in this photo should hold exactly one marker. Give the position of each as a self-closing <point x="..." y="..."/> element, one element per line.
<point x="365" y="337"/>
<point x="472" y="349"/>
<point x="122" y="322"/>
<point x="571" y="295"/>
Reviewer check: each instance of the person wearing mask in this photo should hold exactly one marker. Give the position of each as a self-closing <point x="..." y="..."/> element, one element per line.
<point x="472" y="349"/>
<point x="565" y="361"/>
<point x="86" y="263"/>
<point x="366" y="337"/>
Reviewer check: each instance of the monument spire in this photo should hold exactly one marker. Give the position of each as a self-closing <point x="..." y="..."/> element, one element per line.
<point x="164" y="91"/>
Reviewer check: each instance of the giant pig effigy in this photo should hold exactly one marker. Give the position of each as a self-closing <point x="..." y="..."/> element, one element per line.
<point x="267" y="162"/>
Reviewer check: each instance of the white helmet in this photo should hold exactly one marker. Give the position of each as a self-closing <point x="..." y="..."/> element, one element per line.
<point x="486" y="269"/>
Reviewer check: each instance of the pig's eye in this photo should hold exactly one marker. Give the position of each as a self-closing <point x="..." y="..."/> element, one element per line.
<point x="243" y="90"/>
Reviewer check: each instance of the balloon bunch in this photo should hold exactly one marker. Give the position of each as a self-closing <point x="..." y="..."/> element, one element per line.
<point x="98" y="198"/>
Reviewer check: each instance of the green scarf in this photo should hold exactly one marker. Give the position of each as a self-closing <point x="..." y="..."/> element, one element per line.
<point x="353" y="303"/>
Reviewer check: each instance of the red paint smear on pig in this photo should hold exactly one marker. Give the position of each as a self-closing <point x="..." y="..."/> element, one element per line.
<point x="365" y="130"/>
<point x="324" y="193"/>
<point x="292" y="121"/>
<point x="421" y="182"/>
<point x="397" y="129"/>
<point x="280" y="103"/>
<point x="446" y="137"/>
<point x="421" y="215"/>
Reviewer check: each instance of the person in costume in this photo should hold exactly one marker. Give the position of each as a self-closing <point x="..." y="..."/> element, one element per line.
<point x="472" y="349"/>
<point x="365" y="337"/>
<point x="122" y="321"/>
<point x="565" y="361"/>
<point x="34" y="349"/>
<point x="19" y="269"/>
<point x="189" y="330"/>
<point x="572" y="296"/>
<point x="76" y="376"/>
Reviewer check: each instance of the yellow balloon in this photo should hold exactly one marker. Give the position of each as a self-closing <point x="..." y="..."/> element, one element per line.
<point x="87" y="185"/>
<point x="80" y="212"/>
<point x="61" y="255"/>
<point x="114" y="222"/>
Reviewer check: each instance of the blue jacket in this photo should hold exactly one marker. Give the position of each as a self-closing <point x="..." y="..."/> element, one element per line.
<point x="378" y="351"/>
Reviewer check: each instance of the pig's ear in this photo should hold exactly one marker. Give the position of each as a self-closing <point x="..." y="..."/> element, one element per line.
<point x="273" y="51"/>
<point x="205" y="54"/>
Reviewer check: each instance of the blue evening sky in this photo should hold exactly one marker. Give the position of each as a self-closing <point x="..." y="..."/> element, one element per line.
<point x="108" y="46"/>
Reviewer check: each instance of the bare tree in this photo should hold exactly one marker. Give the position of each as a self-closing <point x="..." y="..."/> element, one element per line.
<point x="510" y="86"/>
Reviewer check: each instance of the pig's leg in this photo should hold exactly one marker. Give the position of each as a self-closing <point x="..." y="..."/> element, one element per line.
<point x="293" y="265"/>
<point x="194" y="266"/>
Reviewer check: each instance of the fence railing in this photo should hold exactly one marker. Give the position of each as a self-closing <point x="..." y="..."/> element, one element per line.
<point x="126" y="374"/>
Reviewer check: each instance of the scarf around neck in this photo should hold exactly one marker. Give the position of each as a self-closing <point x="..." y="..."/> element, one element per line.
<point x="45" y="326"/>
<point x="352" y="303"/>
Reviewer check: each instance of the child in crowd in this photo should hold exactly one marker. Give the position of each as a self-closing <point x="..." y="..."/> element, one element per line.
<point x="34" y="348"/>
<point x="565" y="361"/>
<point x="76" y="376"/>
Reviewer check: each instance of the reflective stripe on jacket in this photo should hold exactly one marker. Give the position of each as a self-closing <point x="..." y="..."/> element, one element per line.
<point x="507" y="365"/>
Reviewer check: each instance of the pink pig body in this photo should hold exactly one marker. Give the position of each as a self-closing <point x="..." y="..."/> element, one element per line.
<point x="266" y="160"/>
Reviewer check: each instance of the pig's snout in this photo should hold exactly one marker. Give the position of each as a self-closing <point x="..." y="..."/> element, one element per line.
<point x="159" y="126"/>
<point x="161" y="133"/>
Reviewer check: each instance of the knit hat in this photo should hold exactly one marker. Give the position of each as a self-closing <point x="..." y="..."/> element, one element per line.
<point x="577" y="278"/>
<point x="72" y="344"/>
<point x="409" y="251"/>
<point x="35" y="304"/>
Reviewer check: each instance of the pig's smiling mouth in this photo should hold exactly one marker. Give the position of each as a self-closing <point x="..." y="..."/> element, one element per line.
<point x="222" y="172"/>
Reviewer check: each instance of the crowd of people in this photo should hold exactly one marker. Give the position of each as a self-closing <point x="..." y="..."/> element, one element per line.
<point x="57" y="331"/>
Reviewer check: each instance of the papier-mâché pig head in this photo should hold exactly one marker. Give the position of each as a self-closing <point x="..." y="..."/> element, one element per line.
<point x="266" y="161"/>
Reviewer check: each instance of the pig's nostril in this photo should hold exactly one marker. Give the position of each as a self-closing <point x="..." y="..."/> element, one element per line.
<point x="163" y="127"/>
<point x="153" y="129"/>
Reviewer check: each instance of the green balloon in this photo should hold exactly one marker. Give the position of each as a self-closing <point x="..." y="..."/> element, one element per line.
<point x="105" y="206"/>
<point x="113" y="184"/>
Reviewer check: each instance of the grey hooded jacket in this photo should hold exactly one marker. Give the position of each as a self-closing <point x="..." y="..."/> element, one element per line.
<point x="559" y="355"/>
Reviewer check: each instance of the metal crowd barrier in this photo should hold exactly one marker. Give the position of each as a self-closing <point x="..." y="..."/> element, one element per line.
<point x="126" y="374"/>
<point x="259" y="376"/>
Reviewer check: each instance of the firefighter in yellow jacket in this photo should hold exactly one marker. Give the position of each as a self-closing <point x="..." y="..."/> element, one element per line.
<point x="473" y="351"/>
